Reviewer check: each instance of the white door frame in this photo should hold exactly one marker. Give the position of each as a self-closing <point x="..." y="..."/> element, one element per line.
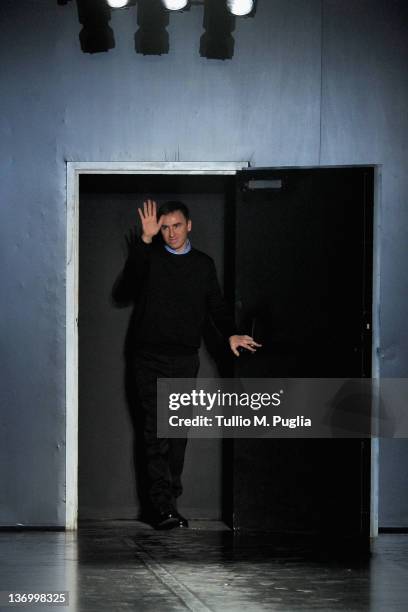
<point x="74" y="170"/>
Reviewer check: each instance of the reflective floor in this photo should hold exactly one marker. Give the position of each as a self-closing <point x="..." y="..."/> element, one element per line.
<point x="125" y="565"/>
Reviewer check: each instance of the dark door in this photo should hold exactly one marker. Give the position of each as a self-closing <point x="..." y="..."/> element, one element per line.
<point x="303" y="288"/>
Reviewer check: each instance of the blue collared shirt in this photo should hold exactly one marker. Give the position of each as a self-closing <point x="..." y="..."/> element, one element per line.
<point x="187" y="248"/>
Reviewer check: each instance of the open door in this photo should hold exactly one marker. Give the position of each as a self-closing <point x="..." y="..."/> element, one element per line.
<point x="303" y="281"/>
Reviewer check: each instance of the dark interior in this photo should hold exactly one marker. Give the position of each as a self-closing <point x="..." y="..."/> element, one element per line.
<point x="107" y="211"/>
<point x="293" y="250"/>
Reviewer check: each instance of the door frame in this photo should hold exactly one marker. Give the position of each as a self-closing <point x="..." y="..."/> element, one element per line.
<point x="74" y="170"/>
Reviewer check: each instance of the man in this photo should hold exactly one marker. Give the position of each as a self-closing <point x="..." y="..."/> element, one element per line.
<point x="173" y="286"/>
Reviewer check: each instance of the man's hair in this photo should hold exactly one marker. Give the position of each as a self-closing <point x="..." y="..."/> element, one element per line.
<point x="171" y="206"/>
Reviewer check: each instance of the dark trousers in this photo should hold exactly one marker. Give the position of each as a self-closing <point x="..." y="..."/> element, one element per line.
<point x="164" y="458"/>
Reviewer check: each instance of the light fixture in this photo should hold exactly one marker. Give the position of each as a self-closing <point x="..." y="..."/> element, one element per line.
<point x="96" y="35"/>
<point x="152" y="37"/>
<point x="153" y="16"/>
<point x="174" y="5"/>
<point x="217" y="41"/>
<point x="117" y="3"/>
<point x="240" y="7"/>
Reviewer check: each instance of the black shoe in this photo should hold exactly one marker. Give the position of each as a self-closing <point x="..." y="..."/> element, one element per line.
<point x="183" y="522"/>
<point x="167" y="520"/>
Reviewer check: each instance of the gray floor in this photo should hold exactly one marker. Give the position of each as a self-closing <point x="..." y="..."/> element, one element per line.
<point x="129" y="566"/>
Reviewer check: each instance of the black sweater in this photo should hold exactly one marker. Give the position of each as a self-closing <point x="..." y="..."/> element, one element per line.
<point x="172" y="295"/>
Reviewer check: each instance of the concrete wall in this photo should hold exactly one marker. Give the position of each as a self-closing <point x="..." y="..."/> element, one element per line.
<point x="311" y="82"/>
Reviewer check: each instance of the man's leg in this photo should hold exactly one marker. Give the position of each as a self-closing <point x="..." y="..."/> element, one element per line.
<point x="164" y="457"/>
<point x="183" y="367"/>
<point x="177" y="450"/>
<point x="147" y="368"/>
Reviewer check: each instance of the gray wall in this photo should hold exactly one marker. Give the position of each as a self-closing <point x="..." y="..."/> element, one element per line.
<point x="312" y="82"/>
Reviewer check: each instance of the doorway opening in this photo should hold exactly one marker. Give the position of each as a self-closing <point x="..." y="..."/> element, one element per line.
<point x="109" y="461"/>
<point x="122" y="178"/>
<point x="231" y="216"/>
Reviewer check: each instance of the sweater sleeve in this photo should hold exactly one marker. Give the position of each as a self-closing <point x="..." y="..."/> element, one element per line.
<point x="129" y="281"/>
<point x="217" y="306"/>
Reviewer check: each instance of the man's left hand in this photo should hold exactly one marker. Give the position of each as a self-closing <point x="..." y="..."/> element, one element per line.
<point x="245" y="342"/>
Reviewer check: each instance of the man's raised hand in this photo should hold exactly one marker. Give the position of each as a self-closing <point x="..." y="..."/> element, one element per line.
<point x="150" y="225"/>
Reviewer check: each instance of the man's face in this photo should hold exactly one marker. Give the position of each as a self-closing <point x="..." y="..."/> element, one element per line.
<point x="175" y="229"/>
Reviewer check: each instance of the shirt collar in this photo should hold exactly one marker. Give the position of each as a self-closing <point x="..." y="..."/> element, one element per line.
<point x="187" y="249"/>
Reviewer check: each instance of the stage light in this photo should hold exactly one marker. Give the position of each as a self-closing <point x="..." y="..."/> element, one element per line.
<point x="217" y="41"/>
<point x="117" y="3"/>
<point x="240" y="7"/>
<point x="152" y="37"/>
<point x="174" y="5"/>
<point x="96" y="35"/>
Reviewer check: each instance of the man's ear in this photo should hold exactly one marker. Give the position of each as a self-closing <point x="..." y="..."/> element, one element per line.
<point x="189" y="224"/>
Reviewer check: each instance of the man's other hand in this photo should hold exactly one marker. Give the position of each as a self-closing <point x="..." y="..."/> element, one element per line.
<point x="245" y="342"/>
<point x="150" y="225"/>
